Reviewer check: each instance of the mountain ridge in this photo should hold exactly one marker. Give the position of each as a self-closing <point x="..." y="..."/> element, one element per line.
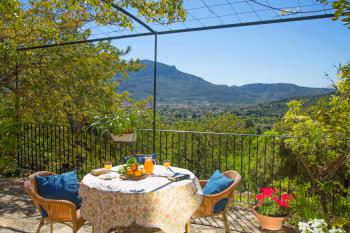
<point x="175" y="86"/>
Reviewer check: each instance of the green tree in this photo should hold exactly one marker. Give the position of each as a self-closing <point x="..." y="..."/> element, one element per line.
<point x="342" y="10"/>
<point x="71" y="83"/>
<point x="226" y="122"/>
<point x="320" y="136"/>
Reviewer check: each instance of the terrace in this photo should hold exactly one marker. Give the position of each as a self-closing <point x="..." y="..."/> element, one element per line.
<point x="261" y="160"/>
<point x="18" y="214"/>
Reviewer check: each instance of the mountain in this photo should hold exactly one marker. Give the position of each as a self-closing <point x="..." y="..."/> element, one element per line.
<point x="280" y="91"/>
<point x="174" y="86"/>
<point x="275" y="108"/>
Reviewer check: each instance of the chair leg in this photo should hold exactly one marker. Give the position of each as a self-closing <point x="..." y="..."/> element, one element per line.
<point x="188" y="226"/>
<point x="42" y="221"/>
<point x="227" y="227"/>
<point x="51" y="227"/>
<point x="93" y="228"/>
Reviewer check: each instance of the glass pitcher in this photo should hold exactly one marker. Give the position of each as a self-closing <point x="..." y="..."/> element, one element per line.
<point x="148" y="166"/>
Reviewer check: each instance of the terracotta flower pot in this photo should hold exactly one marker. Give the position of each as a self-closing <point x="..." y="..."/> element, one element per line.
<point x="267" y="222"/>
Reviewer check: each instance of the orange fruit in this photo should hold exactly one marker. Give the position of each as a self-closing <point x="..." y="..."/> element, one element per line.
<point x="138" y="173"/>
<point x="129" y="172"/>
<point x="134" y="166"/>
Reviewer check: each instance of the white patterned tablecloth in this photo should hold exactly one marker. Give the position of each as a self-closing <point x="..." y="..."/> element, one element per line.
<point x="151" y="202"/>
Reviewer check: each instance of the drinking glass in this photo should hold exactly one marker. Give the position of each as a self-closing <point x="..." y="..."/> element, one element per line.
<point x="108" y="165"/>
<point x="166" y="164"/>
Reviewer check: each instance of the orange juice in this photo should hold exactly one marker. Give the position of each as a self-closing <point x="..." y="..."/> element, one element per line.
<point x="108" y="166"/>
<point x="166" y="164"/>
<point x="148" y="166"/>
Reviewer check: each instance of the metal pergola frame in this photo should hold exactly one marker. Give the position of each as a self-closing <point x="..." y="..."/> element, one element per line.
<point x="152" y="32"/>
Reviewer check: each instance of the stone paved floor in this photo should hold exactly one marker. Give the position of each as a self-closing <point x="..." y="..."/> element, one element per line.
<point x="17" y="214"/>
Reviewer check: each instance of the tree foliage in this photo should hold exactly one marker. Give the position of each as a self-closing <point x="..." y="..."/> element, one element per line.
<point x="223" y="123"/>
<point x="69" y="84"/>
<point x="342" y="10"/>
<point x="74" y="82"/>
<point x="320" y="137"/>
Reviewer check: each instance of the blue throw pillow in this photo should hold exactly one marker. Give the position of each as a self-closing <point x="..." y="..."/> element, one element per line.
<point x="59" y="187"/>
<point x="216" y="184"/>
<point x="140" y="158"/>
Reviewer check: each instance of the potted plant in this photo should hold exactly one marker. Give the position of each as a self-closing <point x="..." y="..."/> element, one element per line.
<point x="120" y="126"/>
<point x="272" y="209"/>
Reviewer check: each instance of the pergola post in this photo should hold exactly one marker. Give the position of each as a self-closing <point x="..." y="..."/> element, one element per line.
<point x="155" y="90"/>
<point x="16" y="150"/>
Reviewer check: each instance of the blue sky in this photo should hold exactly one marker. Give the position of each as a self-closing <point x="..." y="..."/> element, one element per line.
<point x="296" y="52"/>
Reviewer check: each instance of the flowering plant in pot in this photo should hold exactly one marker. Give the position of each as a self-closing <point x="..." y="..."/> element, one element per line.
<point x="272" y="208"/>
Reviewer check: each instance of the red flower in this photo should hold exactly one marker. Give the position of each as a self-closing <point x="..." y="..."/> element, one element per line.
<point x="275" y="199"/>
<point x="281" y="203"/>
<point x="285" y="196"/>
<point x="272" y="194"/>
<point x="259" y="197"/>
<point x="284" y="204"/>
<point x="267" y="192"/>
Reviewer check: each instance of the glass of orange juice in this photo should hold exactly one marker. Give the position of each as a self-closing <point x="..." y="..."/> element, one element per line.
<point x="108" y="165"/>
<point x="148" y="165"/>
<point x="166" y="164"/>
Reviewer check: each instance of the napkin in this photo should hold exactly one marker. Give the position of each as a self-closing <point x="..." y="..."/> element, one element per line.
<point x="178" y="177"/>
<point x="99" y="171"/>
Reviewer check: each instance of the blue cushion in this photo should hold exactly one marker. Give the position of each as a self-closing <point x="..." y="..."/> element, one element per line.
<point x="140" y="158"/>
<point x="216" y="184"/>
<point x="220" y="205"/>
<point x="59" y="187"/>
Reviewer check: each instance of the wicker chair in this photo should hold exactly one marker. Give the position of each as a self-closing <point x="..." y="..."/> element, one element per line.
<point x="209" y="201"/>
<point x="59" y="211"/>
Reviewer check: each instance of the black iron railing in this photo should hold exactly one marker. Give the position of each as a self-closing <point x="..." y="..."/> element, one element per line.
<point x="260" y="159"/>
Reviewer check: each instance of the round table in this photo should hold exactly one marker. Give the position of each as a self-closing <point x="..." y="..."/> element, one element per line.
<point x="151" y="202"/>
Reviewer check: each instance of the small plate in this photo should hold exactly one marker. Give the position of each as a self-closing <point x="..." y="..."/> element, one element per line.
<point x="108" y="176"/>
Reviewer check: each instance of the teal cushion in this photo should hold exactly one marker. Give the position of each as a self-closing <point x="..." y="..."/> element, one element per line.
<point x="216" y="184"/>
<point x="59" y="187"/>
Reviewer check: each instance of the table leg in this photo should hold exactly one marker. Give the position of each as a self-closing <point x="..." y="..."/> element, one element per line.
<point x="188" y="226"/>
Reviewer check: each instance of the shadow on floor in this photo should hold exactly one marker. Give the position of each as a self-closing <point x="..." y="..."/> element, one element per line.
<point x="12" y="229"/>
<point x="13" y="199"/>
<point x="18" y="214"/>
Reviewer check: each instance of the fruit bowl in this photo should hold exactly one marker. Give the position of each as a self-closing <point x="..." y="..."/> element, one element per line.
<point x="131" y="170"/>
<point x="143" y="176"/>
